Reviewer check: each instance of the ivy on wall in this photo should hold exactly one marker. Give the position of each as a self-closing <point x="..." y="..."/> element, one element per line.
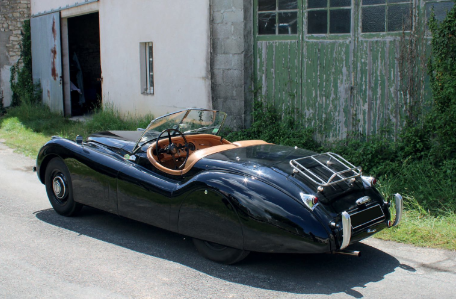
<point x="442" y="71"/>
<point x="21" y="72"/>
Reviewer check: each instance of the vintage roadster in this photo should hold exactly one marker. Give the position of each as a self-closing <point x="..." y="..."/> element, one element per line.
<point x="230" y="197"/>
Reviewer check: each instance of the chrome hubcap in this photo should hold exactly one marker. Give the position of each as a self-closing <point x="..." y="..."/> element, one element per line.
<point x="58" y="186"/>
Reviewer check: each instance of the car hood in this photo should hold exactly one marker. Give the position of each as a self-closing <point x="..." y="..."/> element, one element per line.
<point x="125" y="140"/>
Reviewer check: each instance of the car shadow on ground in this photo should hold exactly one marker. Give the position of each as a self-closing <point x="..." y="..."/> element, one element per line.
<point x="291" y="273"/>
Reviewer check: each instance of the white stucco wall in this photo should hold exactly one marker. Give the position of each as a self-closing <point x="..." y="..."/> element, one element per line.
<point x="180" y="32"/>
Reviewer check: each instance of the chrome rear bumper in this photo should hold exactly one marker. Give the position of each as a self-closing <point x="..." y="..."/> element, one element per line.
<point x="399" y="209"/>
<point x="346" y="230"/>
<point x="347" y="226"/>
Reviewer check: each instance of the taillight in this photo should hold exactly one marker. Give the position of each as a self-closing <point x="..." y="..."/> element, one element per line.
<point x="310" y="200"/>
<point x="368" y="181"/>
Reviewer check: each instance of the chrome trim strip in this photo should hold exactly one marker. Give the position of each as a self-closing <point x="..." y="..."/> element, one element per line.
<point x="371" y="222"/>
<point x="346" y="230"/>
<point x="399" y="208"/>
<point x="378" y="221"/>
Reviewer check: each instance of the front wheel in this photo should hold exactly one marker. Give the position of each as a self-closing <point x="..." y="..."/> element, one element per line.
<point x="59" y="188"/>
<point x="220" y="253"/>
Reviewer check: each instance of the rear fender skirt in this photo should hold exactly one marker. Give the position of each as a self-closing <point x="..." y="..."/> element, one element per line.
<point x="207" y="214"/>
<point x="271" y="221"/>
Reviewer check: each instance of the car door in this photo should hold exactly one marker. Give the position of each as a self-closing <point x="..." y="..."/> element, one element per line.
<point x="145" y="195"/>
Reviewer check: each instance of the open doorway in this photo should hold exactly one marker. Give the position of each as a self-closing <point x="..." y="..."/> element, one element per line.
<point x="84" y="63"/>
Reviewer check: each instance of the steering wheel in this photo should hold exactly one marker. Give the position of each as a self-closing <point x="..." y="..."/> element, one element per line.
<point x="172" y="149"/>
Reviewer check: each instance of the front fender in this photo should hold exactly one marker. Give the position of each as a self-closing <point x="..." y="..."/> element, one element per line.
<point x="56" y="147"/>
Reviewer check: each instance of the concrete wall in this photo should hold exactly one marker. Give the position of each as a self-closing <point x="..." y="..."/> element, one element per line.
<point x="232" y="59"/>
<point x="12" y="15"/>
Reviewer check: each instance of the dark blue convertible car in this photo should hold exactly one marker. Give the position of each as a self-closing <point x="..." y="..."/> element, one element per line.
<point x="230" y="197"/>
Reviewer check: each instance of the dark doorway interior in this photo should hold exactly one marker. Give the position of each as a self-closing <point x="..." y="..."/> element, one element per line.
<point x="85" y="64"/>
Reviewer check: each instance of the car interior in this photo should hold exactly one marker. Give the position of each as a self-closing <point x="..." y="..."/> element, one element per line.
<point x="172" y="158"/>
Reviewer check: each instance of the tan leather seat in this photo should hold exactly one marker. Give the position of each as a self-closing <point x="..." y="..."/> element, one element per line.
<point x="201" y="153"/>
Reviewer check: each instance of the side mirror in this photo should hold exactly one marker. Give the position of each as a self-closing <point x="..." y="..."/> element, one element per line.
<point x="79" y="140"/>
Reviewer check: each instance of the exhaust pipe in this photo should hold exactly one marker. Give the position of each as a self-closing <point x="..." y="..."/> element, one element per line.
<point x="349" y="252"/>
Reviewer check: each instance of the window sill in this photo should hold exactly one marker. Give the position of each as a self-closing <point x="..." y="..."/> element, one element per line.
<point x="272" y="37"/>
<point x="329" y="37"/>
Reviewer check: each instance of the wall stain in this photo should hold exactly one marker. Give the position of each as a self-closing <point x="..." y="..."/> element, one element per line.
<point x="54" y="31"/>
<point x="53" y="66"/>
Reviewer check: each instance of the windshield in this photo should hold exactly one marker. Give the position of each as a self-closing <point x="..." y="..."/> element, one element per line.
<point x="190" y="121"/>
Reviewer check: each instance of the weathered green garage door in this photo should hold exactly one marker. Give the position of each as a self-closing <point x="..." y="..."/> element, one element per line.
<point x="334" y="60"/>
<point x="327" y="65"/>
<point x="279" y="51"/>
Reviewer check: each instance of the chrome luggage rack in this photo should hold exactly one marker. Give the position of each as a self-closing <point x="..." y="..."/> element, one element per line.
<point x="327" y="176"/>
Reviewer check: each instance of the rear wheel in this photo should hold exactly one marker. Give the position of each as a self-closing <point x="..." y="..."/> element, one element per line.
<point x="59" y="188"/>
<point x="220" y="253"/>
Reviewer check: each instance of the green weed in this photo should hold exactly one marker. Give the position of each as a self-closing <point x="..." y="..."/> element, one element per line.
<point x="421" y="224"/>
<point x="273" y="126"/>
<point x="424" y="230"/>
<point x="442" y="72"/>
<point x="28" y="126"/>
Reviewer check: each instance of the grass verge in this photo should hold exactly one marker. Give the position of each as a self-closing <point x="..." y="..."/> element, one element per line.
<point x="27" y="127"/>
<point x="423" y="230"/>
<point x="419" y="226"/>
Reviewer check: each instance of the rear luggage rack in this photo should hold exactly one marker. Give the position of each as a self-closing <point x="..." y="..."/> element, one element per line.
<point x="325" y="169"/>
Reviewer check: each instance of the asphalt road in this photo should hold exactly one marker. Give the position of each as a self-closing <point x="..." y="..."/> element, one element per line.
<point x="100" y="255"/>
